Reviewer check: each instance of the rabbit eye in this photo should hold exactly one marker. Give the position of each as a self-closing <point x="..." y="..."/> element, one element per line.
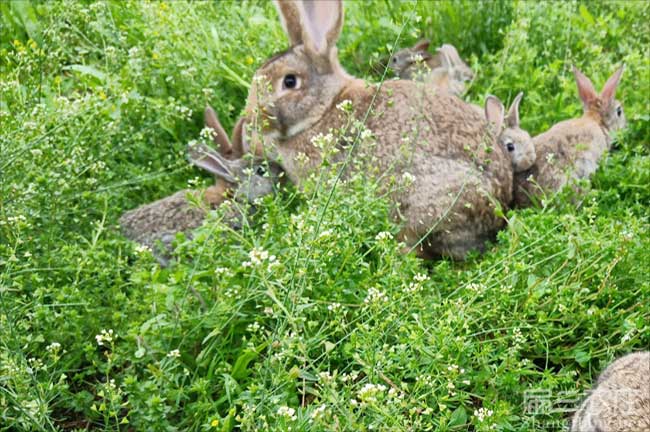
<point x="394" y="60"/>
<point x="619" y="111"/>
<point x="260" y="170"/>
<point x="290" y="81"/>
<point x="510" y="146"/>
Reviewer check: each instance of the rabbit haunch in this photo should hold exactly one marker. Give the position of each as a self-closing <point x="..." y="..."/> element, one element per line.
<point x="620" y="401"/>
<point x="571" y="149"/>
<point x="459" y="173"/>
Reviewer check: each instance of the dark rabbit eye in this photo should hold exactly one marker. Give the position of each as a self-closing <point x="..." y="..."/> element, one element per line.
<point x="290" y="81"/>
<point x="260" y="171"/>
<point x="619" y="111"/>
<point x="510" y="146"/>
<point x="394" y="60"/>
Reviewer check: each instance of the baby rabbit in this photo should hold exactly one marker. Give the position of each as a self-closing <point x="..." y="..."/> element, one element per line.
<point x="620" y="402"/>
<point x="155" y="224"/>
<point x="516" y="141"/>
<point x="446" y="70"/>
<point x="455" y="175"/>
<point x="571" y="149"/>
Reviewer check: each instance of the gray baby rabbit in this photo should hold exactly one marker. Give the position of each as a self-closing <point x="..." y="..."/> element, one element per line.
<point x="445" y="70"/>
<point x="571" y="149"/>
<point x="620" y="401"/>
<point x="156" y="224"/>
<point x="516" y="141"/>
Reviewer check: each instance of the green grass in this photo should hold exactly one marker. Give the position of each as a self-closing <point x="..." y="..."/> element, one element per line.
<point x="340" y="331"/>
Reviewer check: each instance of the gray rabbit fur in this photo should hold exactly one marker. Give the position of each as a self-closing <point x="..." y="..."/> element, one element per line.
<point x="156" y="224"/>
<point x="620" y="401"/>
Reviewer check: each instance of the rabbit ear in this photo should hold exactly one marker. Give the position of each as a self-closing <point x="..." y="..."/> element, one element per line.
<point x="586" y="89"/>
<point x="452" y="53"/>
<point x="607" y="95"/>
<point x="238" y="138"/>
<point x="494" y="113"/>
<point x="289" y="12"/>
<point x="445" y="60"/>
<point x="422" y="45"/>
<point x="512" y="119"/>
<point x="322" y="21"/>
<point x="219" y="135"/>
<point x="207" y="158"/>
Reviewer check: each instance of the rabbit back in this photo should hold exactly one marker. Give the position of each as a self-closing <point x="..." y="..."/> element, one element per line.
<point x="621" y="400"/>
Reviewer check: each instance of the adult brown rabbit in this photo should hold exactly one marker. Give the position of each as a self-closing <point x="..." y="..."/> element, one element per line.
<point x="459" y="174"/>
<point x="571" y="149"/>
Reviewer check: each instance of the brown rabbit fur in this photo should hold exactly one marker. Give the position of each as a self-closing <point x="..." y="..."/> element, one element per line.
<point x="444" y="70"/>
<point x="571" y="149"/>
<point x="620" y="401"/>
<point x="459" y="174"/>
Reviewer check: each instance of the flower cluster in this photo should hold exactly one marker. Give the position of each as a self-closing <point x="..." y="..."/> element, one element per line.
<point x="375" y="296"/>
<point x="370" y="393"/>
<point x="105" y="336"/>
<point x="287" y="412"/>
<point x="258" y="257"/>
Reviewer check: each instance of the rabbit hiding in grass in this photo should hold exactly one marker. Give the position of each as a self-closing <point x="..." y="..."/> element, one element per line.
<point x="459" y="175"/>
<point x="156" y="224"/>
<point x="445" y="70"/>
<point x="571" y="149"/>
<point x="620" y="401"/>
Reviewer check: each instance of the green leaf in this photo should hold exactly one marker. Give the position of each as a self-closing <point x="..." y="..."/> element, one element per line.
<point x="240" y="368"/>
<point x="87" y="70"/>
<point x="458" y="417"/>
<point x="582" y="357"/>
<point x="584" y="13"/>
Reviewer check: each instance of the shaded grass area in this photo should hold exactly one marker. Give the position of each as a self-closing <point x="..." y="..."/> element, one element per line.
<point x="339" y="331"/>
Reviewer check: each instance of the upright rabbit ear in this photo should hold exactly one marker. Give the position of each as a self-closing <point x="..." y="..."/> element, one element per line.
<point x="494" y="111"/>
<point x="219" y="135"/>
<point x="289" y="12"/>
<point x="445" y="59"/>
<point x="422" y="45"/>
<point x="609" y="90"/>
<point x="322" y="21"/>
<point x="586" y="89"/>
<point x="452" y="53"/>
<point x="238" y="138"/>
<point x="207" y="158"/>
<point x="512" y="119"/>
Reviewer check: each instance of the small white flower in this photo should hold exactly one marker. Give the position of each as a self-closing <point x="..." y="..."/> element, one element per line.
<point x="142" y="249"/>
<point x="53" y="347"/>
<point x="287" y="412"/>
<point x="384" y="235"/>
<point x="374" y="295"/>
<point x="318" y="412"/>
<point x="365" y="134"/>
<point x="482" y="414"/>
<point x="105" y="336"/>
<point x="333" y="306"/>
<point x="174" y="353"/>
<point x="345" y="106"/>
<point x="408" y="178"/>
